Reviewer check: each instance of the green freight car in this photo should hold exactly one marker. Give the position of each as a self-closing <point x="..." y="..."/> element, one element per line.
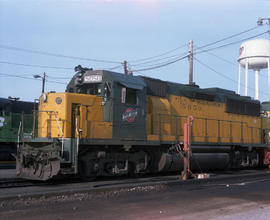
<point x="16" y="122"/>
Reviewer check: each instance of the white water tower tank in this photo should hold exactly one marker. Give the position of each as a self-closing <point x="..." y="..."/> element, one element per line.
<point x="255" y="55"/>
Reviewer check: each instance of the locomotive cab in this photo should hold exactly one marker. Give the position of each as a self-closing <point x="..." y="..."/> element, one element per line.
<point x="123" y="100"/>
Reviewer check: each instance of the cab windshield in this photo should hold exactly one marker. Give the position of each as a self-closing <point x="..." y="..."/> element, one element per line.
<point x="91" y="89"/>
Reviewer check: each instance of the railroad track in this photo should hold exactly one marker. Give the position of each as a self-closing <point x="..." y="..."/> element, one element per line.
<point x="15" y="182"/>
<point x="97" y="182"/>
<point x="101" y="182"/>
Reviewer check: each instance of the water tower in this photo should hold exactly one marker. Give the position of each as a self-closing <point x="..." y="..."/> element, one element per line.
<point x="255" y="55"/>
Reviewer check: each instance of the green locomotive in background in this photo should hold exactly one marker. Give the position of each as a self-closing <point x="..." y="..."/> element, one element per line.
<point x="16" y="117"/>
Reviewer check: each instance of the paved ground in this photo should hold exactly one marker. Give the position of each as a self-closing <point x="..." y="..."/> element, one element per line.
<point x="223" y="199"/>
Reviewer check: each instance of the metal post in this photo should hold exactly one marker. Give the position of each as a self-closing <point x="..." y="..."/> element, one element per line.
<point x="242" y="136"/>
<point x="205" y="132"/>
<point x="176" y="129"/>
<point x="231" y="131"/>
<point x="49" y="123"/>
<point x="257" y="84"/>
<point x="22" y="128"/>
<point x="246" y="78"/>
<point x="43" y="82"/>
<point x="219" y="139"/>
<point x="187" y="174"/>
<point x="239" y="79"/>
<point x="191" y="63"/>
<point x="252" y="138"/>
<point x="34" y="122"/>
<point x="159" y="127"/>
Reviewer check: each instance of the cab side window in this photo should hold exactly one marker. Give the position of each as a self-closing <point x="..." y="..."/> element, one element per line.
<point x="129" y="96"/>
<point x="107" y="90"/>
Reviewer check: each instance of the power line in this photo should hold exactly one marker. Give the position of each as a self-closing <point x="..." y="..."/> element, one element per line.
<point x="55" y="55"/>
<point x="207" y="45"/>
<point x="223" y="75"/>
<point x="35" y="65"/>
<point x="164" y="58"/>
<point x="159" y="55"/>
<point x="148" y="67"/>
<point x="227" y="38"/>
<point x="115" y="67"/>
<point x="229" y="62"/>
<point x="55" y="77"/>
<point x="232" y="43"/>
<point x="219" y="57"/>
<point x="161" y="65"/>
<point x="50" y="67"/>
<point x="30" y="78"/>
<point x="202" y="51"/>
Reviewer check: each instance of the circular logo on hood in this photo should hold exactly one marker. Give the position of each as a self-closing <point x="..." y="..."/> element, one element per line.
<point x="130" y="115"/>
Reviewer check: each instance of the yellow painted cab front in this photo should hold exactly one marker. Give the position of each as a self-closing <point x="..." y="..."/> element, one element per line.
<point x="67" y="115"/>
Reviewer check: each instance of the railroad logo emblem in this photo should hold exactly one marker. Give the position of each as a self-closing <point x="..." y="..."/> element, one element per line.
<point x="2" y="120"/>
<point x="130" y="115"/>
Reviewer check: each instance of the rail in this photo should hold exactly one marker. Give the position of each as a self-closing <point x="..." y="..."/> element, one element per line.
<point x="175" y="127"/>
<point x="53" y="121"/>
<point x="22" y="122"/>
<point x="49" y="125"/>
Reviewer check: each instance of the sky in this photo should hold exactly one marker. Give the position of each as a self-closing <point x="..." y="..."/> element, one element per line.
<point x="51" y="36"/>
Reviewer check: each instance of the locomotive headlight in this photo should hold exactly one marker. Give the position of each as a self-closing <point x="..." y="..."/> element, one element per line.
<point x="44" y="97"/>
<point x="58" y="100"/>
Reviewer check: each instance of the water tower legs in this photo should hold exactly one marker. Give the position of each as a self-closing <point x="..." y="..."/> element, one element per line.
<point x="239" y="79"/>
<point x="257" y="84"/>
<point x="246" y="78"/>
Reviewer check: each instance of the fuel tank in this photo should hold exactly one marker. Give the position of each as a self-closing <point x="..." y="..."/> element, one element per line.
<point x="198" y="161"/>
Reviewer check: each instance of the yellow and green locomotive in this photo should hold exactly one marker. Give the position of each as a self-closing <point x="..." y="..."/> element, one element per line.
<point x="108" y="123"/>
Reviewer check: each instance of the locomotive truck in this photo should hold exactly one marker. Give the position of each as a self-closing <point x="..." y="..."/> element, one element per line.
<point x="108" y="123"/>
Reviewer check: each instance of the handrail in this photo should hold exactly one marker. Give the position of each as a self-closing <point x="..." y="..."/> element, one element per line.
<point x="185" y="116"/>
<point x="59" y="126"/>
<point x="206" y="136"/>
<point x="62" y="132"/>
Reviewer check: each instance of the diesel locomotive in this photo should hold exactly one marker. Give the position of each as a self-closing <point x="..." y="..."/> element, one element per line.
<point x="108" y="123"/>
<point x="15" y="115"/>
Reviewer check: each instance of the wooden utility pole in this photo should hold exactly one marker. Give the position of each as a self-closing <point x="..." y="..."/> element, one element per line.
<point x="191" y="63"/>
<point x="125" y="67"/>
